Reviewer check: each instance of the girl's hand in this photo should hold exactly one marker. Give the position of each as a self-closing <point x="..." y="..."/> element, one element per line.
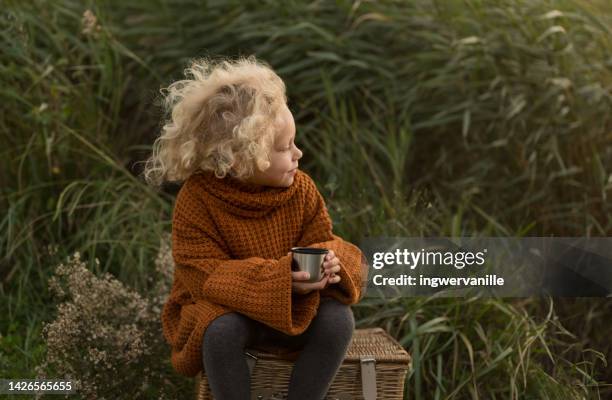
<point x="331" y="265"/>
<point x="306" y="287"/>
<point x="297" y="277"/>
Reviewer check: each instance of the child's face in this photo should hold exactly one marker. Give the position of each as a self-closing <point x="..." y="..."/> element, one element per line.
<point x="284" y="155"/>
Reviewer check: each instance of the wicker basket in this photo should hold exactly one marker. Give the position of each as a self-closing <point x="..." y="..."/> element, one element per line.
<point x="375" y="367"/>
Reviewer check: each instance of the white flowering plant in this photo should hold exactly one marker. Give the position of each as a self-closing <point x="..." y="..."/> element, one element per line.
<point x="106" y="337"/>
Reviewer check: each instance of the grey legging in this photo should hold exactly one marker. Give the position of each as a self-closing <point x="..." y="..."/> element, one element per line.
<point x="323" y="344"/>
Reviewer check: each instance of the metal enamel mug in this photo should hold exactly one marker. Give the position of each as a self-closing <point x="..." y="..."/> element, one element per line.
<point x="309" y="259"/>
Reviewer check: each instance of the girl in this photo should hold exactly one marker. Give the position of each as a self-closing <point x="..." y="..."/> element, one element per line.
<point x="243" y="205"/>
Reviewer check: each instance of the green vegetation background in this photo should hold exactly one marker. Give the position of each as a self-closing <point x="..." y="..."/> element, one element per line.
<point x="425" y="117"/>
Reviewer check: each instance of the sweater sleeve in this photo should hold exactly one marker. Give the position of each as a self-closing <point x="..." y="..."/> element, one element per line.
<point x="317" y="232"/>
<point x="256" y="287"/>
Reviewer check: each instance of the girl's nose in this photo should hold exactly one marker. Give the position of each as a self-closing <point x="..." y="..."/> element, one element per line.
<point x="299" y="153"/>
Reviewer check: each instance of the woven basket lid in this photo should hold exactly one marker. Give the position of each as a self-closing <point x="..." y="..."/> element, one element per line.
<point x="376" y="343"/>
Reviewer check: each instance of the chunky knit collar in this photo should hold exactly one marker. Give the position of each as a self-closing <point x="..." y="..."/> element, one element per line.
<point x="246" y="199"/>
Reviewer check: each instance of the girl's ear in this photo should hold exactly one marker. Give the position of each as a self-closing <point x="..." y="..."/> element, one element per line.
<point x="262" y="165"/>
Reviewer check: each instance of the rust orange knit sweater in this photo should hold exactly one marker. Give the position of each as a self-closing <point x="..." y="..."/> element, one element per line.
<point x="230" y="241"/>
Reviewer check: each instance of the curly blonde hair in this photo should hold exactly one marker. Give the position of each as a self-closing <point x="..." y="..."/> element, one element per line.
<point x="221" y="119"/>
